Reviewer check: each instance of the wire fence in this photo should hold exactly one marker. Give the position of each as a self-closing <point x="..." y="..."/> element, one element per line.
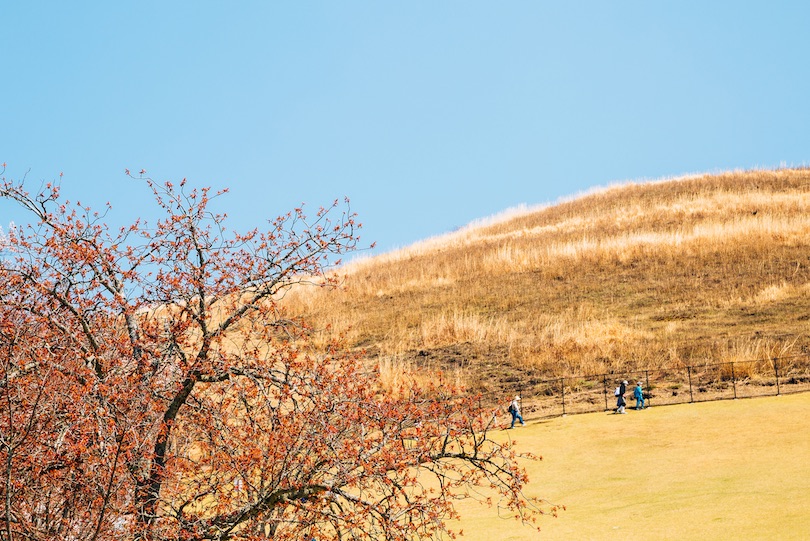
<point x="666" y="386"/>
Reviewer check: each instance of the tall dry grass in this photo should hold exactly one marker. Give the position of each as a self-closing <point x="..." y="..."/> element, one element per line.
<point x="647" y="274"/>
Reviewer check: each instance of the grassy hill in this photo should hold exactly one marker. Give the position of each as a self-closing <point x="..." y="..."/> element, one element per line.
<point x="640" y="275"/>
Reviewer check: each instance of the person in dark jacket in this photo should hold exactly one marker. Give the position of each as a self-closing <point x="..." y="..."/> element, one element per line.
<point x="620" y="402"/>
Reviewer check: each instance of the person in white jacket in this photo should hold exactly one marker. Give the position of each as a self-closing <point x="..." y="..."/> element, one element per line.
<point x="514" y="409"/>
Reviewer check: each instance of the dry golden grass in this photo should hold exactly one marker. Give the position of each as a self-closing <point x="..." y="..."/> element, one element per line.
<point x="699" y="269"/>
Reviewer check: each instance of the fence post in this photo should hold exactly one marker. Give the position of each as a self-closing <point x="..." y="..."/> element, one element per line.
<point x="776" y="371"/>
<point x="605" y="389"/>
<point x="647" y="383"/>
<point x="562" y="386"/>
<point x="689" y="374"/>
<point x="734" y="380"/>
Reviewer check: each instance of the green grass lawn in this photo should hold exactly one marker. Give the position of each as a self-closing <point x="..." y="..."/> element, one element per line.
<point x="715" y="470"/>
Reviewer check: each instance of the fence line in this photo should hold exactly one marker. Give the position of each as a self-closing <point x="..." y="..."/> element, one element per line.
<point x="666" y="386"/>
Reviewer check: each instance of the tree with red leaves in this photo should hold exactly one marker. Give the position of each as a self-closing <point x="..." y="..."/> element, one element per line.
<point x="153" y="387"/>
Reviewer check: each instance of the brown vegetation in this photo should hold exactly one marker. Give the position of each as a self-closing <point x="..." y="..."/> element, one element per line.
<point x="152" y="389"/>
<point x="640" y="275"/>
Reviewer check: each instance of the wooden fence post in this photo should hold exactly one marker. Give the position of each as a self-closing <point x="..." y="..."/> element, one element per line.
<point x="605" y="389"/>
<point x="734" y="380"/>
<point x="689" y="374"/>
<point x="647" y="383"/>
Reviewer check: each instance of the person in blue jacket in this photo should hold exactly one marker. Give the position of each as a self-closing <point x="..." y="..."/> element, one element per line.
<point x="638" y="394"/>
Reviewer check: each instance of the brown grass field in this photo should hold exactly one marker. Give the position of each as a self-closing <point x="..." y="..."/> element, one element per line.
<point x="736" y="469"/>
<point x="649" y="275"/>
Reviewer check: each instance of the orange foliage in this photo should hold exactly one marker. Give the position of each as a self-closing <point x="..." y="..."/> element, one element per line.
<point x="152" y="388"/>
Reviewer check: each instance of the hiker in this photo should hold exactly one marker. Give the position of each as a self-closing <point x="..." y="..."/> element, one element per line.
<point x="638" y="394"/>
<point x="514" y="409"/>
<point x="620" y="402"/>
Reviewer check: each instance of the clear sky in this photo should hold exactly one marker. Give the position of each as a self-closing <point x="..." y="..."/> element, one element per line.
<point x="427" y="114"/>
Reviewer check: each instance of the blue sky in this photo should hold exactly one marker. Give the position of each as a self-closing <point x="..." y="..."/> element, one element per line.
<point x="427" y="114"/>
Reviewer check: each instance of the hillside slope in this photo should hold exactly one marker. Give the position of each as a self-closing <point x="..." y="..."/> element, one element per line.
<point x="701" y="269"/>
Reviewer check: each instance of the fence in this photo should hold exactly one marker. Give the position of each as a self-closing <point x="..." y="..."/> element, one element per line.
<point x="666" y="386"/>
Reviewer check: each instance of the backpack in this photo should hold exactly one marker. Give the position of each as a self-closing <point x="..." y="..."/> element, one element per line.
<point x="511" y="408"/>
<point x="617" y="392"/>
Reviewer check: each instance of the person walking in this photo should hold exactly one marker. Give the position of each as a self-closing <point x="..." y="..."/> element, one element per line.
<point x="620" y="402"/>
<point x="638" y="394"/>
<point x="514" y="409"/>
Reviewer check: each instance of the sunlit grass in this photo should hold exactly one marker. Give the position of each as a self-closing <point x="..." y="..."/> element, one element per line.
<point x="719" y="470"/>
